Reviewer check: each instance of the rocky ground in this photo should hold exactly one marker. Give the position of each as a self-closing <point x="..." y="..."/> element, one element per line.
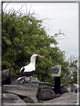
<point x="35" y="92"/>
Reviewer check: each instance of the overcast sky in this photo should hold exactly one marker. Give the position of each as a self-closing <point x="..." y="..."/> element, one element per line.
<point x="62" y="16"/>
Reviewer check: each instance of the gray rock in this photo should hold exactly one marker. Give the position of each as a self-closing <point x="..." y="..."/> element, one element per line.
<point x="13" y="78"/>
<point x="64" y="98"/>
<point x="24" y="89"/>
<point x="11" y="98"/>
<point x="72" y="87"/>
<point x="77" y="90"/>
<point x="69" y="88"/>
<point x="30" y="100"/>
<point x="33" y="79"/>
<point x="5" y="74"/>
<point x="64" y="89"/>
<point x="45" y="94"/>
<point x="5" y="77"/>
<point x="45" y="91"/>
<point x="45" y="87"/>
<point x="46" y="83"/>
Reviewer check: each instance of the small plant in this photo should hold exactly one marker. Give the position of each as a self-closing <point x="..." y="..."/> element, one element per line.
<point x="40" y="101"/>
<point x="27" y="101"/>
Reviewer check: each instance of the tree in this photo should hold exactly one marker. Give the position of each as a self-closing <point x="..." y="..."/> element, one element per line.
<point x="24" y="36"/>
<point x="71" y="75"/>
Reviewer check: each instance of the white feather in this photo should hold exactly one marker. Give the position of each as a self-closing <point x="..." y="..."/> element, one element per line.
<point x="30" y="67"/>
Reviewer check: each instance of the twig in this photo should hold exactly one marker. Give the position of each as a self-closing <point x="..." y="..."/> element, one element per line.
<point x="7" y="5"/>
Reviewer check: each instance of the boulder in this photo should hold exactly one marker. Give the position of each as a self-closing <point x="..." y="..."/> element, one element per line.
<point x="73" y="87"/>
<point x="67" y="97"/>
<point x="34" y="90"/>
<point x="25" y="89"/>
<point x="5" y="75"/>
<point x="11" y="98"/>
<point x="44" y="86"/>
<point x="45" y="94"/>
<point x="77" y="90"/>
<point x="46" y="83"/>
<point x="69" y="88"/>
<point x="30" y="100"/>
<point x="63" y="89"/>
<point x="33" y="79"/>
<point x="13" y="79"/>
<point x="45" y="91"/>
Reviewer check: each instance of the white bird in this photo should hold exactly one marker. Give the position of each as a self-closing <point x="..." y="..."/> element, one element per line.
<point x="29" y="69"/>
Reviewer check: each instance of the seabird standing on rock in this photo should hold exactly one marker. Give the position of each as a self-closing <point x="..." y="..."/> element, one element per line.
<point x="28" y="70"/>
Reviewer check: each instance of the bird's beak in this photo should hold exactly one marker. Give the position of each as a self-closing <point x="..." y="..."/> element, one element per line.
<point x="41" y="56"/>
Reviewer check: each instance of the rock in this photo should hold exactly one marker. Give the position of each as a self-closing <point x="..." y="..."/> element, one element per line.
<point x="64" y="98"/>
<point x="45" y="91"/>
<point x="45" y="94"/>
<point x="5" y="74"/>
<point x="27" y="79"/>
<point x="30" y="100"/>
<point x="45" y="87"/>
<point x="77" y="90"/>
<point x="24" y="89"/>
<point x="62" y="85"/>
<point x="13" y="79"/>
<point x="33" y="79"/>
<point x="5" y="77"/>
<point x="69" y="88"/>
<point x="46" y="83"/>
<point x="34" y="90"/>
<point x="11" y="98"/>
<point x="73" y="87"/>
<point x="63" y="89"/>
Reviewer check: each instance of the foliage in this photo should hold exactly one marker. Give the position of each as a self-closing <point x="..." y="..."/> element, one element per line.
<point x="24" y="36"/>
<point x="71" y="75"/>
<point x="40" y="101"/>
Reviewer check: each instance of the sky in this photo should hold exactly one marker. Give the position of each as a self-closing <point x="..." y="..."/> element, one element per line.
<point x="58" y="16"/>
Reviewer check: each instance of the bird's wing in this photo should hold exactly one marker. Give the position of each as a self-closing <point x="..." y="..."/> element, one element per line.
<point x="21" y="70"/>
<point x="28" y="68"/>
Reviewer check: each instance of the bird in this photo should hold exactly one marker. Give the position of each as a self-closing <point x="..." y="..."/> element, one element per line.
<point x="28" y="70"/>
